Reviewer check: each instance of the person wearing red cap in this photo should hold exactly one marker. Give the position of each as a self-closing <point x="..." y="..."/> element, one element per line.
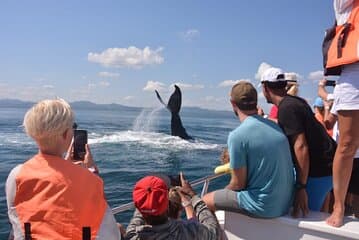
<point x="151" y="220"/>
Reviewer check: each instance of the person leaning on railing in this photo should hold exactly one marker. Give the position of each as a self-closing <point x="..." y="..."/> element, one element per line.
<point x="151" y="219"/>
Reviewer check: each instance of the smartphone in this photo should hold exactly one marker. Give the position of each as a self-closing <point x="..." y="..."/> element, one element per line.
<point x="330" y="83"/>
<point x="175" y="180"/>
<point x="80" y="140"/>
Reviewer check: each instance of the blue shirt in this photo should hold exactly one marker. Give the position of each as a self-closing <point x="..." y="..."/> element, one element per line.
<point x="260" y="145"/>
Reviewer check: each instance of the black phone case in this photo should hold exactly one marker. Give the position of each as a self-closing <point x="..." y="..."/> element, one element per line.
<point x="80" y="139"/>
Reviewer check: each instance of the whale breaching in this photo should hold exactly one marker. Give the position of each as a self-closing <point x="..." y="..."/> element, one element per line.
<point x="174" y="106"/>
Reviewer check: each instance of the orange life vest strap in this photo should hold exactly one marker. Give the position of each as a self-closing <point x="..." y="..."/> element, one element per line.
<point x="343" y="43"/>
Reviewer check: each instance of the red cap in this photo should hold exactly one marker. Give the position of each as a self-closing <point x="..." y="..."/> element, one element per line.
<point x="150" y="196"/>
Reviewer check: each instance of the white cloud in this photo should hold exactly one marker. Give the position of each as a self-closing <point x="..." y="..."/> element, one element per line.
<point x="230" y="83"/>
<point x="48" y="87"/>
<point x="154" y="85"/>
<point x="131" y="57"/>
<point x="109" y="75"/>
<point x="190" y="34"/>
<point x="128" y="98"/>
<point x="260" y="95"/>
<point x="104" y="84"/>
<point x="187" y="86"/>
<point x="315" y="76"/>
<point x="262" y="67"/>
<point x="91" y="85"/>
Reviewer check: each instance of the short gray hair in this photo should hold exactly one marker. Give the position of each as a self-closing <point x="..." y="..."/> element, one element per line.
<point x="48" y="119"/>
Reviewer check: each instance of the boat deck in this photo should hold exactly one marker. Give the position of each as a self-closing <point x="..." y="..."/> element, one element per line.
<point x="238" y="226"/>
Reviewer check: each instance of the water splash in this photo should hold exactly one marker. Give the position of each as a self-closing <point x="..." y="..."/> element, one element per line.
<point x="154" y="140"/>
<point x="146" y="121"/>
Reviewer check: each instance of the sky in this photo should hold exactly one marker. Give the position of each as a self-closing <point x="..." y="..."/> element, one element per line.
<point x="121" y="51"/>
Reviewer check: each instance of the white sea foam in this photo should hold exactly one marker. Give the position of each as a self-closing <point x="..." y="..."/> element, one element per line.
<point x="157" y="140"/>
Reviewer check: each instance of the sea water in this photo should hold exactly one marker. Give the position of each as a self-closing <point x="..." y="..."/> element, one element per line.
<point x="127" y="144"/>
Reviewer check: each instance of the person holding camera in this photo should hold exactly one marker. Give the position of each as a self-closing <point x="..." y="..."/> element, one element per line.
<point x="54" y="197"/>
<point x="151" y="219"/>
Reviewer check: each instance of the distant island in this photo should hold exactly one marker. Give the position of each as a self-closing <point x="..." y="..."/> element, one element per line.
<point x="15" y="103"/>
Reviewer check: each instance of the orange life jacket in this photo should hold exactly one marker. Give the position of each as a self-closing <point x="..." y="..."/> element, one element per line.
<point x="343" y="43"/>
<point x="58" y="198"/>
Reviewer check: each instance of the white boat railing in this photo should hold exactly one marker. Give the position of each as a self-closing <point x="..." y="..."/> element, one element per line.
<point x="204" y="180"/>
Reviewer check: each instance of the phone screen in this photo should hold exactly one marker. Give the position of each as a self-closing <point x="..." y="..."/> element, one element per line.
<point x="330" y="83"/>
<point x="175" y="180"/>
<point x="80" y="140"/>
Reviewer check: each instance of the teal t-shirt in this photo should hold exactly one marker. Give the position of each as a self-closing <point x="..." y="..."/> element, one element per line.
<point x="260" y="145"/>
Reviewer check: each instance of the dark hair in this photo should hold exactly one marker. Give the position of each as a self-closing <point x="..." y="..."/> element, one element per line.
<point x="275" y="85"/>
<point x="175" y="205"/>
<point x="156" y="220"/>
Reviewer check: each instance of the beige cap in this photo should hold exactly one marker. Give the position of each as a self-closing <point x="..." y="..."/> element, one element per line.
<point x="244" y="95"/>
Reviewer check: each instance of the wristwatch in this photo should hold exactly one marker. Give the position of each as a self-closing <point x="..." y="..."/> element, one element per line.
<point x="299" y="185"/>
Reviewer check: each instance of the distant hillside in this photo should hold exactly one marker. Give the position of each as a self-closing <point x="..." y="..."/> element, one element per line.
<point x="14" y="103"/>
<point x="91" y="105"/>
<point x="9" y="103"/>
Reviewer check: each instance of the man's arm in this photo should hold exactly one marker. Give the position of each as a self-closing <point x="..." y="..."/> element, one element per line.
<point x="208" y="227"/>
<point x="10" y="189"/>
<point x="238" y="179"/>
<point x="137" y="220"/>
<point x="300" y="146"/>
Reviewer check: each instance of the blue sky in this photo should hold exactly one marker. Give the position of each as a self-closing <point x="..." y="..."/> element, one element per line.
<point x="120" y="51"/>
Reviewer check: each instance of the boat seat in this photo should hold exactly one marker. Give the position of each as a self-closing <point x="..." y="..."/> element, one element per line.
<point x="239" y="226"/>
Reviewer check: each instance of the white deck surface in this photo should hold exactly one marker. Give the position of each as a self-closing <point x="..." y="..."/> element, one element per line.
<point x="313" y="227"/>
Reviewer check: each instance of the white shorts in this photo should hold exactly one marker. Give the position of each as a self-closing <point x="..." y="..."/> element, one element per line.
<point x="346" y="92"/>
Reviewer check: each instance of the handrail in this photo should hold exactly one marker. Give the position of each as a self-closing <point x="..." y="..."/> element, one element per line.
<point x="204" y="180"/>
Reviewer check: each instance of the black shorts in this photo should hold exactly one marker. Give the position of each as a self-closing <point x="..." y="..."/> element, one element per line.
<point x="354" y="179"/>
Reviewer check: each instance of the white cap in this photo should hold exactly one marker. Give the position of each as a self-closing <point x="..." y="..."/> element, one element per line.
<point x="273" y="75"/>
<point x="291" y="76"/>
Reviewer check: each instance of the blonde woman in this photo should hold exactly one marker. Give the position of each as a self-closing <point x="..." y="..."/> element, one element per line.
<point x="53" y="196"/>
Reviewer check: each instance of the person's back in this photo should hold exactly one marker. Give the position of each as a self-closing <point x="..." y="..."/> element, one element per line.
<point x="295" y="116"/>
<point x="270" y="176"/>
<point x="204" y="228"/>
<point x="56" y="197"/>
<point x="151" y="220"/>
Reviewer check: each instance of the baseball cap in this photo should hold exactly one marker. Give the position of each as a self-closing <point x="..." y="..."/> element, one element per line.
<point x="318" y="102"/>
<point x="244" y="95"/>
<point x="273" y="75"/>
<point x="150" y="196"/>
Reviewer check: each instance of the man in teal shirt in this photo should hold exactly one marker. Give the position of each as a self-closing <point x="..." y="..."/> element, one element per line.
<point x="262" y="179"/>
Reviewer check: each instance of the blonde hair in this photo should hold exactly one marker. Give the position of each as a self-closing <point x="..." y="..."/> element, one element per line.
<point x="293" y="90"/>
<point x="47" y="120"/>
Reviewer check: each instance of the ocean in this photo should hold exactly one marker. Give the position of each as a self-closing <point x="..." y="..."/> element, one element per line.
<point x="127" y="144"/>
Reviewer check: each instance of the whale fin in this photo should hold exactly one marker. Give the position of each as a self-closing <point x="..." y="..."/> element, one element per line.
<point x="174" y="106"/>
<point x="159" y="98"/>
<point x="175" y="101"/>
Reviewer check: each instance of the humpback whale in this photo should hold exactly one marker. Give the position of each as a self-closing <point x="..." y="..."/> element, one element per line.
<point x="174" y="106"/>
